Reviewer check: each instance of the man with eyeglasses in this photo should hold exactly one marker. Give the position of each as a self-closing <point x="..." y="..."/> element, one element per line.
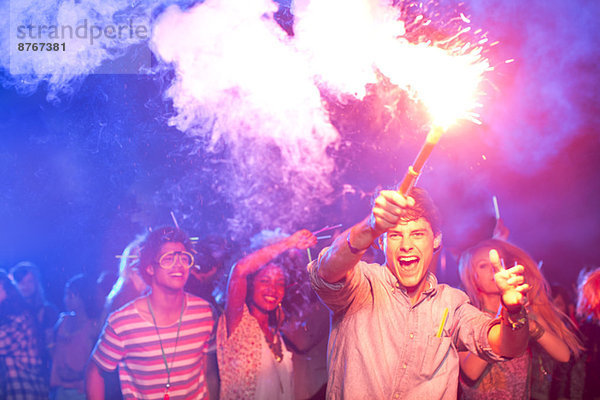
<point x="158" y="342"/>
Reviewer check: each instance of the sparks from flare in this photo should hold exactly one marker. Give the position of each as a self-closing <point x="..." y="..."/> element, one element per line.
<point x="273" y="84"/>
<point x="449" y="95"/>
<point x="445" y="77"/>
<point x="440" y="67"/>
<point x="441" y="71"/>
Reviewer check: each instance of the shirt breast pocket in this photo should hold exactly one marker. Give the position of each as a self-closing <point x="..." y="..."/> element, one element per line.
<point x="436" y="356"/>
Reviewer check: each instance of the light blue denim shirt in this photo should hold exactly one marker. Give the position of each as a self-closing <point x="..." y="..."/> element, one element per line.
<point x="382" y="347"/>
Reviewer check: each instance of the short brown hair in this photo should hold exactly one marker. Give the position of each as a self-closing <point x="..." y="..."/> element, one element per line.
<point x="424" y="208"/>
<point x="150" y="246"/>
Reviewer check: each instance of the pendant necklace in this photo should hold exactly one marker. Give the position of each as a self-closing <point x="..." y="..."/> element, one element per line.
<point x="275" y="346"/>
<point x="162" y="350"/>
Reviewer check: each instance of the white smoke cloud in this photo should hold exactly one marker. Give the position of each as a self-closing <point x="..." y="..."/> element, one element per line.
<point x="87" y="34"/>
<point x="246" y="88"/>
<point x="238" y="74"/>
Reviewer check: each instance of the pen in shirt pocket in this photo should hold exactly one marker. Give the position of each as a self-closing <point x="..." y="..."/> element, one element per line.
<point x="442" y="323"/>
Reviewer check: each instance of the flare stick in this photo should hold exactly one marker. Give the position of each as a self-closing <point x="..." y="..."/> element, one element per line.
<point x="410" y="179"/>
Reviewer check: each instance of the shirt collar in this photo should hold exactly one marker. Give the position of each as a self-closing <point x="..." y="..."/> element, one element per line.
<point x="432" y="282"/>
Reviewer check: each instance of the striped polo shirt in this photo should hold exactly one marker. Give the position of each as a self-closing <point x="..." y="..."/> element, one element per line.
<point x="131" y="343"/>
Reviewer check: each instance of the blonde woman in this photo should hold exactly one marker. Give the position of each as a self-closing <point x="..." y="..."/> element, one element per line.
<point x="548" y="332"/>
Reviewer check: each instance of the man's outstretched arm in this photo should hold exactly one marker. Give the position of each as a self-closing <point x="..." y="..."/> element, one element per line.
<point x="348" y="248"/>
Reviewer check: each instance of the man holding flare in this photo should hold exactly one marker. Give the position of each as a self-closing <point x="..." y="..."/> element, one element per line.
<point x="395" y="331"/>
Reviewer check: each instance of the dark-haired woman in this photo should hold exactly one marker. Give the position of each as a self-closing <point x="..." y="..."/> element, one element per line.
<point x="254" y="362"/>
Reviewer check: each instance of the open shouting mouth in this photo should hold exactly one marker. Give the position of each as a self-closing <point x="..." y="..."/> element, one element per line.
<point x="408" y="262"/>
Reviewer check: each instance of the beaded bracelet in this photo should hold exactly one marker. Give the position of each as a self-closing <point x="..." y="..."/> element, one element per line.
<point x="521" y="318"/>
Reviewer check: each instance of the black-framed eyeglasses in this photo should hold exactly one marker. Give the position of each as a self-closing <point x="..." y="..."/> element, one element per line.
<point x="168" y="260"/>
